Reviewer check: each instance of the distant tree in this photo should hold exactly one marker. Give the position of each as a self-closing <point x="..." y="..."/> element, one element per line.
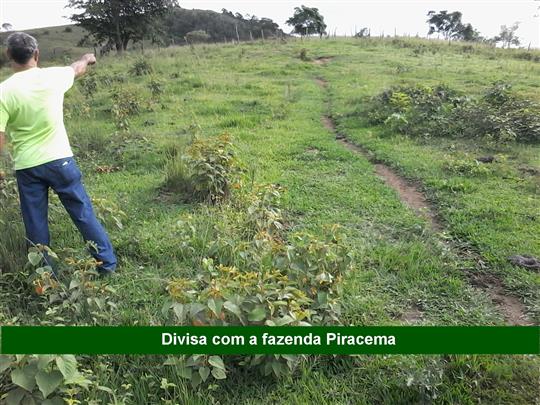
<point x="119" y="21"/>
<point x="451" y="27"/>
<point x="468" y="33"/>
<point x="307" y="21"/>
<point x="508" y="36"/>
<point x="7" y="26"/>
<point x="227" y="12"/>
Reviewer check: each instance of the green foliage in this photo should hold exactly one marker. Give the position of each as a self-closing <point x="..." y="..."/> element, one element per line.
<point x="12" y="243"/>
<point x="499" y="116"/>
<point x="206" y="171"/>
<point x="467" y="167"/>
<point x="156" y="88"/>
<point x="88" y="85"/>
<point x="141" y="67"/>
<point x="304" y="55"/>
<point x="125" y="103"/>
<point x="307" y="21"/>
<point x="43" y="379"/>
<point x="74" y="297"/>
<point x="287" y="284"/>
<point x="118" y="22"/>
<point x="109" y="212"/>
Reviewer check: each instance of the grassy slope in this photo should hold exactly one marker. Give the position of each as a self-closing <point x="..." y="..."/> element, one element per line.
<point x="266" y="97"/>
<point x="55" y="43"/>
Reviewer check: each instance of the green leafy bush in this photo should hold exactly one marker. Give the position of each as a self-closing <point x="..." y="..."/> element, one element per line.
<point x="141" y="67"/>
<point x="125" y="104"/>
<point x="295" y="283"/>
<point x="499" y="115"/>
<point x="43" y="379"/>
<point x="206" y="171"/>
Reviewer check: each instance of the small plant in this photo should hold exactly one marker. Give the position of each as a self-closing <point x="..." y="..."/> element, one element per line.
<point x="156" y="88"/>
<point x="68" y="29"/>
<point x="89" y="85"/>
<point x="79" y="298"/>
<point x="32" y="379"/>
<point x="206" y="171"/>
<point x="109" y="212"/>
<point x="304" y="55"/>
<point x="125" y="103"/>
<point x="467" y="167"/>
<point x="141" y="67"/>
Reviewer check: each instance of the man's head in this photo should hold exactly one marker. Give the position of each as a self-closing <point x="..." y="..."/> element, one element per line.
<point x="22" y="48"/>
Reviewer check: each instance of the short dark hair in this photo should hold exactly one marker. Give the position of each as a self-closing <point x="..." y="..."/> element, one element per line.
<point x="21" y="47"/>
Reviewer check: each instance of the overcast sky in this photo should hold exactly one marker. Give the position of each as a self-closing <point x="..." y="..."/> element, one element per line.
<point x="406" y="17"/>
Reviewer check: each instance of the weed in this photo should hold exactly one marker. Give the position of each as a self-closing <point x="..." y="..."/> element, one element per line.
<point x="207" y="171"/>
<point x="141" y="67"/>
<point x="125" y="103"/>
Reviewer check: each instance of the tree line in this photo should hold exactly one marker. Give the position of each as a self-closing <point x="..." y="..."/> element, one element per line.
<point x="113" y="24"/>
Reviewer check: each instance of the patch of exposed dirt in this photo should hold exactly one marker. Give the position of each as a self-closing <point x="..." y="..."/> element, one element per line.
<point x="408" y="192"/>
<point x="412" y="316"/>
<point x="321" y="82"/>
<point x="328" y="123"/>
<point x="509" y="306"/>
<point x="322" y="60"/>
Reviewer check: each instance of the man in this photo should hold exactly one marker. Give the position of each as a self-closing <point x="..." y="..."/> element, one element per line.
<point x="31" y="113"/>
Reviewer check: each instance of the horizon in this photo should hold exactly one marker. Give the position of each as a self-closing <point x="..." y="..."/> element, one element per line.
<point x="408" y="18"/>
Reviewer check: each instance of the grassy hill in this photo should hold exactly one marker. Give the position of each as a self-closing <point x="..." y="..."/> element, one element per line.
<point x="56" y="43"/>
<point x="60" y="43"/>
<point x="428" y="227"/>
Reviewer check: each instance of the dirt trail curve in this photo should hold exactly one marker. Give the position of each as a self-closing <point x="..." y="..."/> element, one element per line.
<point x="510" y="307"/>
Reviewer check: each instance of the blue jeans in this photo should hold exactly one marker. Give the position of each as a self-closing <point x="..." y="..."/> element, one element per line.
<point x="64" y="177"/>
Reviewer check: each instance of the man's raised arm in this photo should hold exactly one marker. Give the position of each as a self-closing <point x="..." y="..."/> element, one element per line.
<point x="80" y="66"/>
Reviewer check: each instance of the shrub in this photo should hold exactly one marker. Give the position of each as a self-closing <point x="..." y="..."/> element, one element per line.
<point x="68" y="29"/>
<point x="304" y="55"/>
<point x="125" y="103"/>
<point x="141" y="67"/>
<point x="31" y="379"/>
<point x="88" y="85"/>
<point x="297" y="283"/>
<point x="499" y="115"/>
<point x="156" y="88"/>
<point x="206" y="171"/>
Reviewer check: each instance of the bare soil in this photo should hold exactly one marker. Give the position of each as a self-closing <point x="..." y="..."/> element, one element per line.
<point x="322" y="60"/>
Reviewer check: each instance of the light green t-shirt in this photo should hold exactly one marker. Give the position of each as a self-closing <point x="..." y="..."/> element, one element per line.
<point x="31" y="114"/>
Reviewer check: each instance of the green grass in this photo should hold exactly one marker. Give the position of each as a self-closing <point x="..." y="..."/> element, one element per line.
<point x="268" y="100"/>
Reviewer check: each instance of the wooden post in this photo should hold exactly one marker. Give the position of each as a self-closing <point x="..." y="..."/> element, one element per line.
<point x="250" y="36"/>
<point x="237" y="35"/>
<point x="262" y="34"/>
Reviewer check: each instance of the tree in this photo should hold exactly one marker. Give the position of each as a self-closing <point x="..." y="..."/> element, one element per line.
<point x="468" y="33"/>
<point x="307" y="21"/>
<point x="119" y="21"/>
<point x="7" y="26"/>
<point x="508" y="36"/>
<point x="450" y="25"/>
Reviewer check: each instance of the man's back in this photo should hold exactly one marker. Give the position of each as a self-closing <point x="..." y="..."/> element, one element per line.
<point x="31" y="110"/>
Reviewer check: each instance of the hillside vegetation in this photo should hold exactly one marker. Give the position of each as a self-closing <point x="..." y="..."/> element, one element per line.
<point x="219" y="169"/>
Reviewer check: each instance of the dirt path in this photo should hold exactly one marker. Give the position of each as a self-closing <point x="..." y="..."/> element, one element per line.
<point x="407" y="191"/>
<point x="510" y="307"/>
